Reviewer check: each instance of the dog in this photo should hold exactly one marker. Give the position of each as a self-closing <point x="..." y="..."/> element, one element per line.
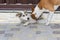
<point x="22" y="16"/>
<point x="26" y="18"/>
<point x="45" y="5"/>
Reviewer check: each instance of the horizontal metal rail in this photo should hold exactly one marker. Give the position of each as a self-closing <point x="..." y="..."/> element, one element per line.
<point x="29" y="11"/>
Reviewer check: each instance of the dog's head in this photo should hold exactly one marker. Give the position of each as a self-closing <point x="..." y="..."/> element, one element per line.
<point x="23" y="15"/>
<point x="33" y="14"/>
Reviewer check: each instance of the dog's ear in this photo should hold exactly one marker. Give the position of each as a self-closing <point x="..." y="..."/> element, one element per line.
<point x="19" y="14"/>
<point x="25" y="11"/>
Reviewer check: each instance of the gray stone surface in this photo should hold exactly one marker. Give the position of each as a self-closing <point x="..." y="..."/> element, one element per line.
<point x="8" y="34"/>
<point x="56" y="32"/>
<point x="58" y="38"/>
<point x="55" y="26"/>
<point x="29" y="32"/>
<point x="2" y="32"/>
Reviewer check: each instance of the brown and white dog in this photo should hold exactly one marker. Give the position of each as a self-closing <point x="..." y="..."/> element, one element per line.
<point x="45" y="5"/>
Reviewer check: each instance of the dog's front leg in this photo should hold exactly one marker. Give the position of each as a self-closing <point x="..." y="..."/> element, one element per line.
<point x="49" y="17"/>
<point x="26" y="23"/>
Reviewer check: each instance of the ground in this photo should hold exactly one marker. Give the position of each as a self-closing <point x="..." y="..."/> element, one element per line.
<point x="29" y="32"/>
<point x="10" y="29"/>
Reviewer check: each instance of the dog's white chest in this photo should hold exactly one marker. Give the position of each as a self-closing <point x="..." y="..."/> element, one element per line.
<point x="55" y="7"/>
<point x="37" y="11"/>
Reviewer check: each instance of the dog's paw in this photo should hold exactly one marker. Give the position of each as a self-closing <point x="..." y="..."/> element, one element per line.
<point x="26" y="24"/>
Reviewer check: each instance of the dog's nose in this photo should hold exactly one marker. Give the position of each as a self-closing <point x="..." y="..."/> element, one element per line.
<point x="28" y="18"/>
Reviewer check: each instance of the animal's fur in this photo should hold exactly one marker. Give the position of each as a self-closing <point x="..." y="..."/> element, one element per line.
<point x="45" y="4"/>
<point x="48" y="4"/>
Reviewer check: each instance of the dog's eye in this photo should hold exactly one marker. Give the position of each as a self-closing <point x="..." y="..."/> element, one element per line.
<point x="23" y="15"/>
